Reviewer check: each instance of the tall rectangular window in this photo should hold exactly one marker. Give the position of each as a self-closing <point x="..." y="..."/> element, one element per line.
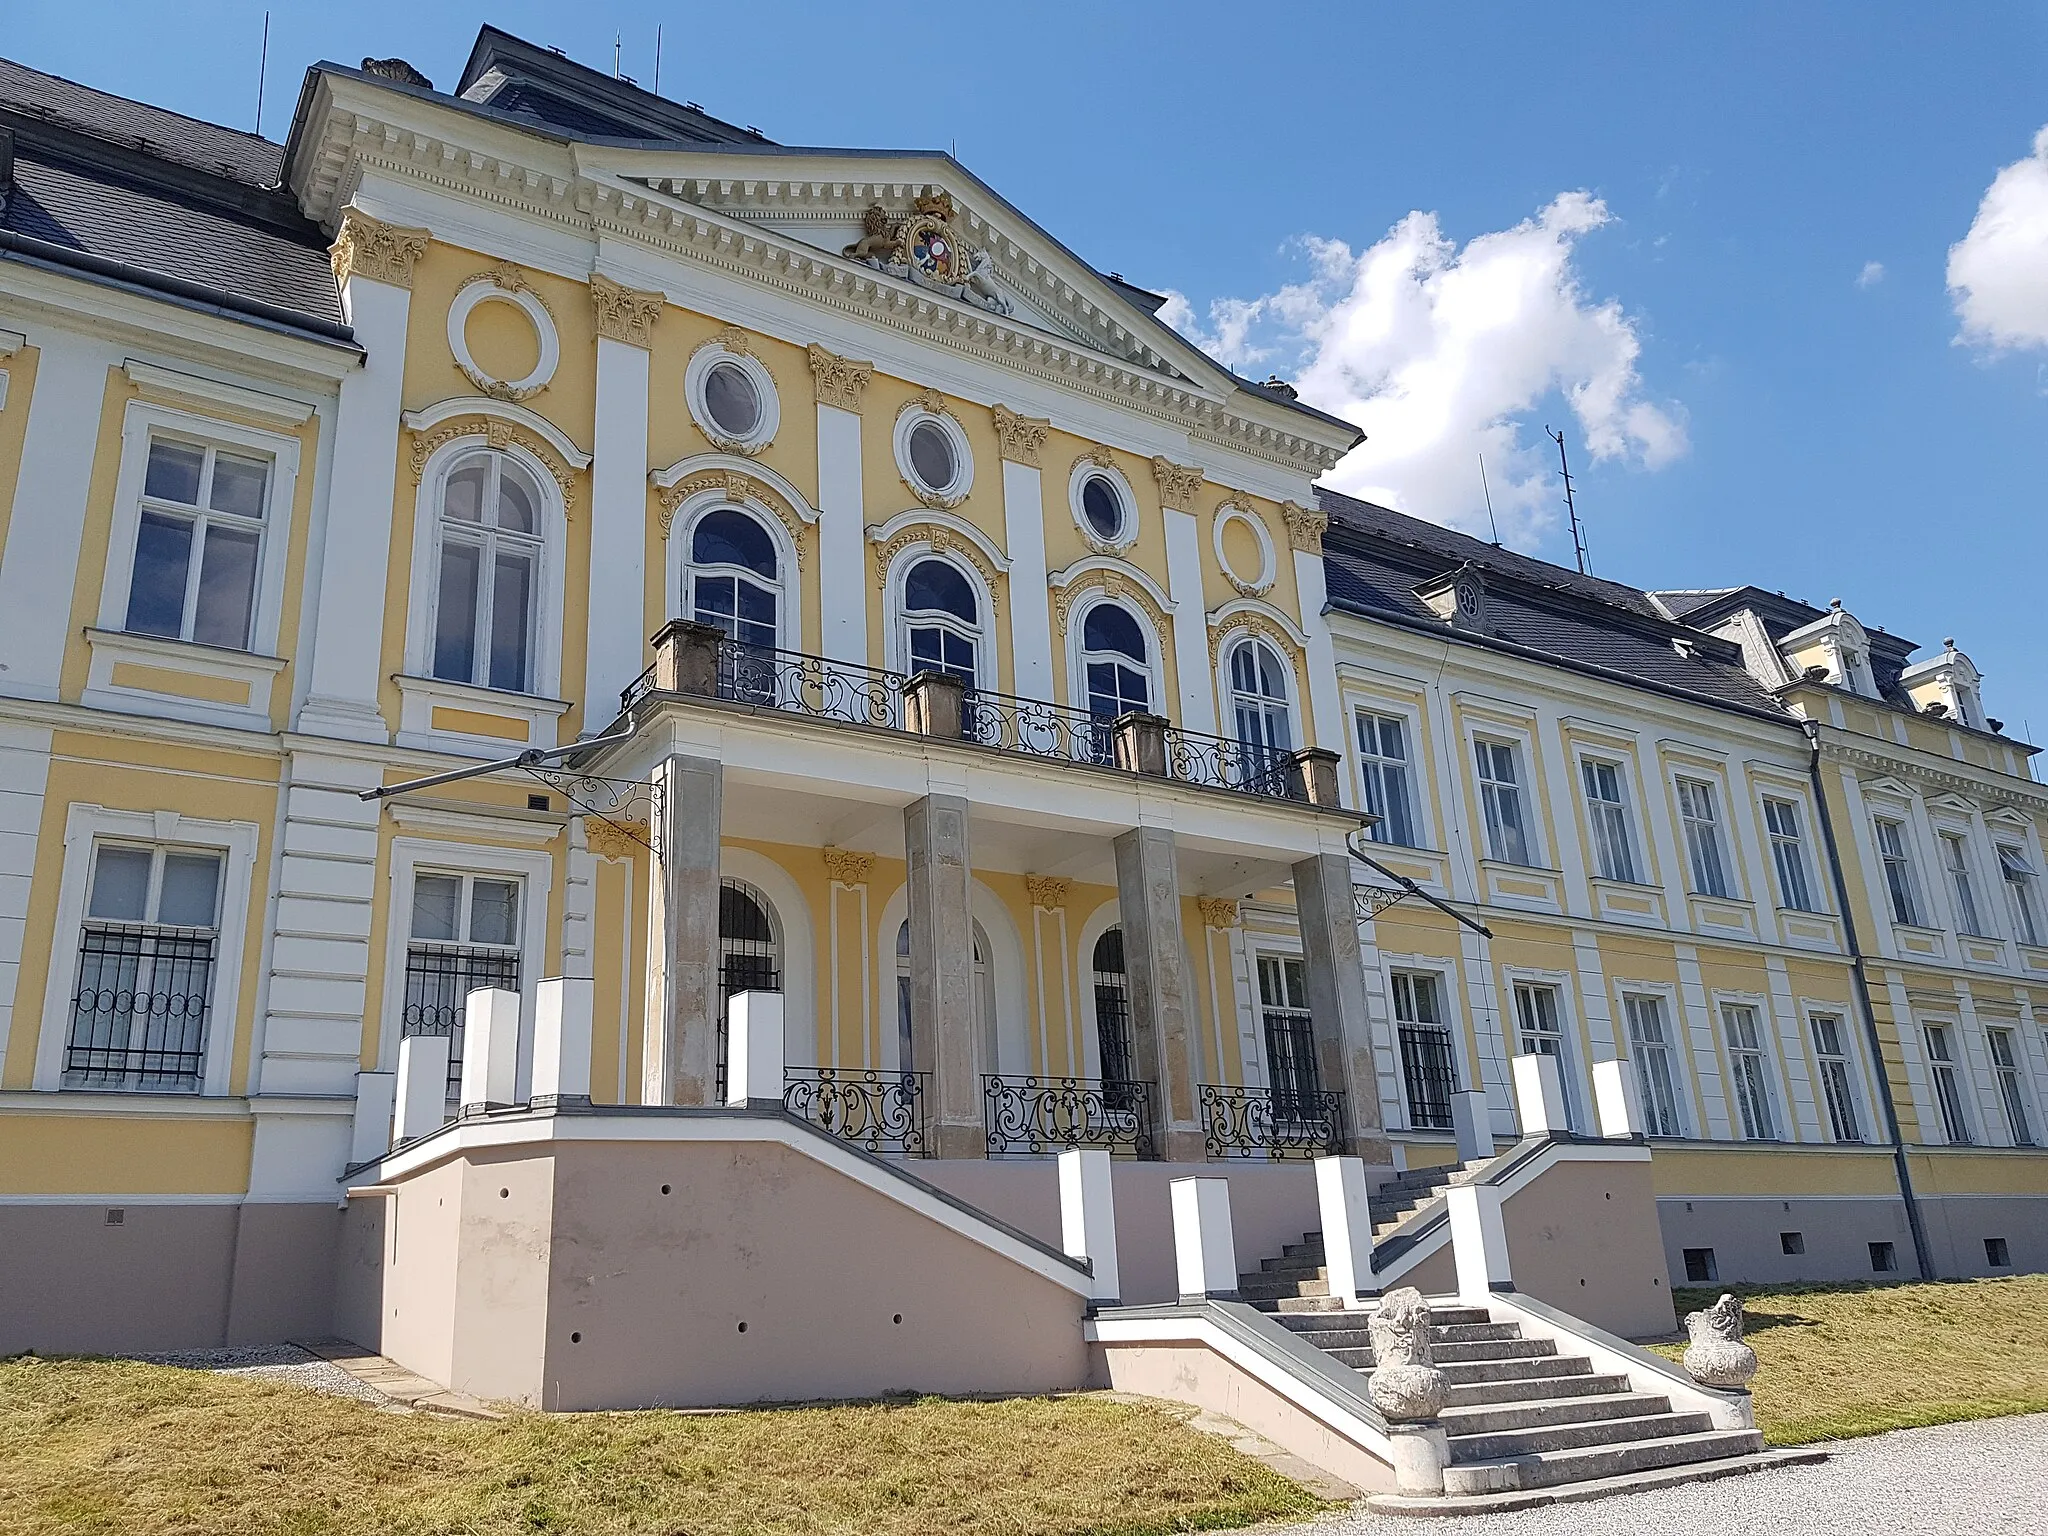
<point x="1500" y="794"/>
<point x="1752" y="1076"/>
<point x="145" y="969"/>
<point x="1383" y="759"/>
<point x="465" y="935"/>
<point x="1788" y="855"/>
<point x="2022" y="893"/>
<point x="1830" y="1049"/>
<point x="1955" y="858"/>
<point x="1540" y="1032"/>
<point x="1607" y="807"/>
<point x="1700" y="810"/>
<point x="1428" y="1066"/>
<point x="1291" y="1065"/>
<point x="2006" y="1063"/>
<point x="1948" y="1092"/>
<point x="1899" y="885"/>
<point x="1656" y="1073"/>
<point x="197" y="541"/>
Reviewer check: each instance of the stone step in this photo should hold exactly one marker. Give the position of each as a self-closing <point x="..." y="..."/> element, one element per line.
<point x="1549" y="1469"/>
<point x="1508" y="1444"/>
<point x="1357" y="1359"/>
<point x="1272" y="1288"/>
<point x="1494" y="1349"/>
<point x="1467" y="1373"/>
<point x="1494" y="1417"/>
<point x="1291" y="1305"/>
<point x="1490" y="1394"/>
<point x="1441" y="1333"/>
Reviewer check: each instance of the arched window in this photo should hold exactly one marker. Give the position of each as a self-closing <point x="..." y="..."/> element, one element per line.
<point x="1114" y="663"/>
<point x="734" y="578"/>
<point x="941" y="621"/>
<point x="749" y="953"/>
<point x="984" y="1001"/>
<point x="1258" y="698"/>
<point x="1113" y="1016"/>
<point x="488" y="573"/>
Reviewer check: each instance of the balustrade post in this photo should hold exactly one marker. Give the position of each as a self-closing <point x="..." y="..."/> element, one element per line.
<point x="1616" y="1097"/>
<point x="490" y="1049"/>
<point x="754" y="1050"/>
<point x="376" y="1109"/>
<point x="1472" y="1124"/>
<point x="422" y="1086"/>
<point x="1479" y="1241"/>
<point x="686" y="658"/>
<point x="1539" y="1096"/>
<point x="1204" y="1246"/>
<point x="1088" y="1218"/>
<point x="1316" y="768"/>
<point x="935" y="704"/>
<point x="1141" y="743"/>
<point x="1347" y="1228"/>
<point x="562" y="1014"/>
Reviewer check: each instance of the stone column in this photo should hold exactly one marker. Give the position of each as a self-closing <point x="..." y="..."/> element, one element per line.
<point x="680" y="1063"/>
<point x="1162" y="1009"/>
<point x="1336" y="999"/>
<point x="374" y="263"/>
<point x="944" y="1038"/>
<point x="624" y="319"/>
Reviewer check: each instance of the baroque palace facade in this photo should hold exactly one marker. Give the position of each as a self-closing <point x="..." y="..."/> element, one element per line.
<point x="962" y="655"/>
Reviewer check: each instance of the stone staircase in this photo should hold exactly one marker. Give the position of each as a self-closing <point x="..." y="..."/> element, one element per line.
<point x="1520" y="1414"/>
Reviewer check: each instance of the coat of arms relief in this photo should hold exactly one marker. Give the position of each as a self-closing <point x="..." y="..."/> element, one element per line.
<point x="922" y="247"/>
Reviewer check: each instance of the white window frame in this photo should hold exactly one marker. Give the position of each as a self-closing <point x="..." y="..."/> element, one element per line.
<point x="1808" y="870"/>
<point x="144" y="420"/>
<point x="1412" y="765"/>
<point x="682" y="570"/>
<point x="2014" y="1070"/>
<point x="412" y="856"/>
<point x="1226" y="689"/>
<point x="1518" y="745"/>
<point x="1716" y="825"/>
<point x="1913" y="890"/>
<point x="1856" y="1080"/>
<point x="898" y="620"/>
<point x="2023" y="903"/>
<point x="1607" y="820"/>
<point x="1572" y="1046"/>
<point x="1965" y="898"/>
<point x="1153" y="666"/>
<point x="1449" y="1019"/>
<point x="1778" y="1103"/>
<point x="1087" y="468"/>
<point x="1675" y="1045"/>
<point x="85" y="826"/>
<point x="1957" y="1066"/>
<point x="545" y="681"/>
<point x="698" y="372"/>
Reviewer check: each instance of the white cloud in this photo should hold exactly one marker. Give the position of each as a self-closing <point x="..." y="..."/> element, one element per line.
<point x="1871" y="275"/>
<point x="1442" y="353"/>
<point x="1998" y="272"/>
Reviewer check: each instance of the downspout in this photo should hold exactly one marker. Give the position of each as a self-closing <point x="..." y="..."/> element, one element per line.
<point x="1861" y="982"/>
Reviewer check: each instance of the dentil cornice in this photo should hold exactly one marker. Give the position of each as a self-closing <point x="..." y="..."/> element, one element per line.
<point x="1999" y="789"/>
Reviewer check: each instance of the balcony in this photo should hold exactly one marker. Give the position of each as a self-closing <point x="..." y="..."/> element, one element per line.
<point x="697" y="661"/>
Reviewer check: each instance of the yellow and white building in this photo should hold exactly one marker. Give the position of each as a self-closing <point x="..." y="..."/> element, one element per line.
<point x="962" y="658"/>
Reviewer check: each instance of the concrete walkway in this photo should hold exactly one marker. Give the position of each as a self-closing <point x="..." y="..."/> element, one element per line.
<point x="1985" y="1478"/>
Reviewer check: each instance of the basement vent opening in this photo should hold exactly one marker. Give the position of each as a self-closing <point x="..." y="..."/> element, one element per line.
<point x="538" y="803"/>
<point x="116" y="1216"/>
<point x="1884" y="1259"/>
<point x="1996" y="1253"/>
<point x="1700" y="1268"/>
<point x="1792" y="1242"/>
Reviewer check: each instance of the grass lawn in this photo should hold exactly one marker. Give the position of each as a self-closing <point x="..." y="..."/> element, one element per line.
<point x="1844" y="1360"/>
<point x="112" y="1446"/>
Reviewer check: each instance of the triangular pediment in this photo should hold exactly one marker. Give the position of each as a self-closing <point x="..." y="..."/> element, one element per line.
<point x="1951" y="802"/>
<point x="2007" y="816"/>
<point x="1888" y="786"/>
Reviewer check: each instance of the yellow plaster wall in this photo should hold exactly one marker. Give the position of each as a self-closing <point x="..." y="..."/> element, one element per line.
<point x="62" y="1154"/>
<point x="134" y="774"/>
<point x="21" y="384"/>
<point x="1697" y="1170"/>
<point x="1980" y="1173"/>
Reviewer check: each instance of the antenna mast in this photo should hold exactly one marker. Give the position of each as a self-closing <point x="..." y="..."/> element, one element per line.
<point x="1571" y="506"/>
<point x="262" y="69"/>
<point x="1489" y="501"/>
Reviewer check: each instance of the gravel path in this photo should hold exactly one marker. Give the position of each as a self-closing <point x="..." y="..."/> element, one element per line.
<point x="282" y="1362"/>
<point x="1983" y="1478"/>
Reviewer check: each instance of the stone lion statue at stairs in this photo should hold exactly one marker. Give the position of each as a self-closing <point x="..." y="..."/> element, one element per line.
<point x="1717" y="1357"/>
<point x="1405" y="1383"/>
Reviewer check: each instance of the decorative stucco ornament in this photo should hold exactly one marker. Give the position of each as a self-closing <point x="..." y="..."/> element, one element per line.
<point x="1405" y="1383"/>
<point x="1717" y="1357"/>
<point x="922" y="248"/>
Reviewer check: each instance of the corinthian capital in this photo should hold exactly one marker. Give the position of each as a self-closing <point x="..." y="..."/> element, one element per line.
<point x="367" y="247"/>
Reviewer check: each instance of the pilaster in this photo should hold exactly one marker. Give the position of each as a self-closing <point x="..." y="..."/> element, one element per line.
<point x="945" y="1039"/>
<point x="842" y="511"/>
<point x="1336" y="999"/>
<point x="1178" y="486"/>
<point x="680" y="1060"/>
<point x="1022" y="438"/>
<point x="618" y="513"/>
<point x="1162" y="1012"/>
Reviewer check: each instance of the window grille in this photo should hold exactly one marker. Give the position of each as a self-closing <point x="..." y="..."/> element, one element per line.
<point x="1291" y="1067"/>
<point x="1429" y="1068"/>
<point x="465" y="936"/>
<point x="138" y="1017"/>
<point x="1113" y="1017"/>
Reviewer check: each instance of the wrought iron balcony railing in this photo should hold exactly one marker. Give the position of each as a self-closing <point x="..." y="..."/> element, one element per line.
<point x="1031" y="1116"/>
<point x="876" y="1111"/>
<point x="700" y="661"/>
<point x="1264" y="1123"/>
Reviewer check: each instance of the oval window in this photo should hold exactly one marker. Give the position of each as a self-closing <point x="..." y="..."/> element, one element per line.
<point x="1103" y="507"/>
<point x="731" y="400"/>
<point x="931" y="457"/>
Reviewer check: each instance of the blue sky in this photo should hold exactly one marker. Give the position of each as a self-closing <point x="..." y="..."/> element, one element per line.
<point x="1712" y="243"/>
